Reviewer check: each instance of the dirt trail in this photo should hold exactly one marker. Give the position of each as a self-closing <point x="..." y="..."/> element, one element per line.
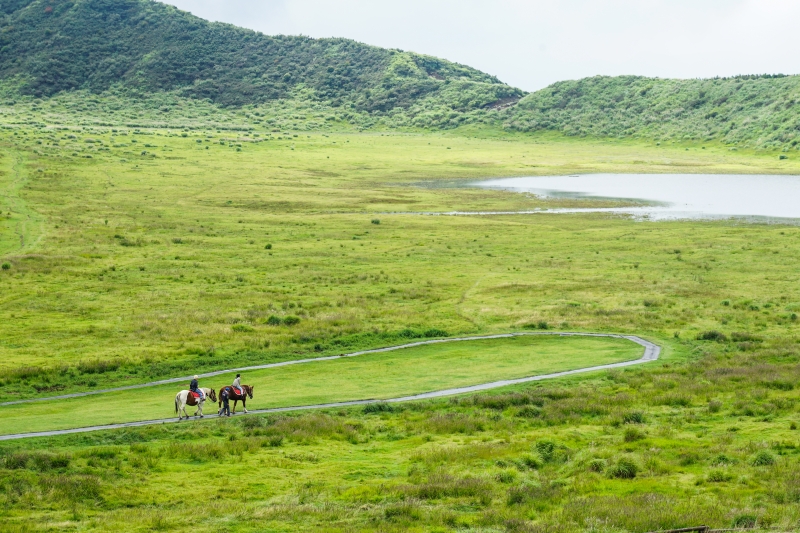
<point x="651" y="353"/>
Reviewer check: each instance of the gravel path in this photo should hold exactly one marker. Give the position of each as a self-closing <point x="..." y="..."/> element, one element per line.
<point x="651" y="353"/>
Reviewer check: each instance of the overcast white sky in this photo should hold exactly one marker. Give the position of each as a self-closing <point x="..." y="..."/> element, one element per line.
<point x="533" y="43"/>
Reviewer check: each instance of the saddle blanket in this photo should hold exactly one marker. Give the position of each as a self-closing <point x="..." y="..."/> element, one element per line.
<point x="238" y="391"/>
<point x="196" y="395"/>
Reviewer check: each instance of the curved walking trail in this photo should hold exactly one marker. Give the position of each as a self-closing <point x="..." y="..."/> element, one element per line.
<point x="651" y="353"/>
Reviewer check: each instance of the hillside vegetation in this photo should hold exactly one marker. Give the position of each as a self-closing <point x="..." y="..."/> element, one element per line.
<point x="142" y="45"/>
<point x="757" y="111"/>
<point x="144" y="54"/>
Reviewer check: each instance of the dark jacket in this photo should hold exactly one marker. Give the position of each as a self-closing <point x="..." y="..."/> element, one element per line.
<point x="193" y="385"/>
<point x="224" y="397"/>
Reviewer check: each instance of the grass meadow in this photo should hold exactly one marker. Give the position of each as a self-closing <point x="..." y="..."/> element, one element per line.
<point x="375" y="376"/>
<point x="139" y="255"/>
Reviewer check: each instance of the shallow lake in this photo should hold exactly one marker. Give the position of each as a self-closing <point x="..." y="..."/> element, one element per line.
<point x="670" y="196"/>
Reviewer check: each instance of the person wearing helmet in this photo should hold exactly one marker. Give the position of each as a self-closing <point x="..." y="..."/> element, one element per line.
<point x="237" y="385"/>
<point x="194" y="386"/>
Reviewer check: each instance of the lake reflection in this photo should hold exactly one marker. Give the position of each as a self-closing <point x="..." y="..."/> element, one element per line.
<point x="670" y="196"/>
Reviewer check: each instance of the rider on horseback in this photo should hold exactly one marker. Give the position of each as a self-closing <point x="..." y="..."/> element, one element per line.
<point x="194" y="386"/>
<point x="237" y="385"/>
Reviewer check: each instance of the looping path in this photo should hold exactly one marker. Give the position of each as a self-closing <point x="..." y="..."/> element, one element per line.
<point x="651" y="353"/>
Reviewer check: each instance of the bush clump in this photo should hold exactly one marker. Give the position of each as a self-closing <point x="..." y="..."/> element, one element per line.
<point x="745" y="521"/>
<point x="718" y="476"/>
<point x="762" y="458"/>
<point x="274" y="321"/>
<point x="633" y="417"/>
<point x="378" y="407"/>
<point x="597" y="465"/>
<point x="632" y="435"/>
<point x="624" y="469"/>
<point x="6" y="266"/>
<point x="712" y="335"/>
<point x="291" y="320"/>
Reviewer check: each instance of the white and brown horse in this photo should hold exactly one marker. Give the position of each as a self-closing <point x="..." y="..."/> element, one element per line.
<point x="184" y="398"/>
<point x="236" y="397"/>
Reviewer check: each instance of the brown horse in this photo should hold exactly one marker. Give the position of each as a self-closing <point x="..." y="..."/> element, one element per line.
<point x="235" y="397"/>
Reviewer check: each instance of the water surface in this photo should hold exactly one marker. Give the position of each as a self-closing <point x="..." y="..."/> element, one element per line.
<point x="670" y="196"/>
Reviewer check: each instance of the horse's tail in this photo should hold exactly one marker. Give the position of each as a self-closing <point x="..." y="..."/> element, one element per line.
<point x="176" y="403"/>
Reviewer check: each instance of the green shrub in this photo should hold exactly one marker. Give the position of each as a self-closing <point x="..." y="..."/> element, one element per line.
<point x="712" y="335"/>
<point x="714" y="406"/>
<point x="41" y="462"/>
<point x="762" y="458"/>
<point x="378" y="407"/>
<point x="745" y="521"/>
<point x="597" y="465"/>
<point x="506" y="476"/>
<point x="242" y="328"/>
<point x="531" y="461"/>
<point x="529" y="411"/>
<point x="632" y="435"/>
<point x="546" y="450"/>
<point x="6" y="266"/>
<point x="433" y="332"/>
<point x="291" y="320"/>
<point x="376" y="221"/>
<point x="537" y="325"/>
<point x="268" y="247"/>
<point x="718" y="476"/>
<point x="633" y="417"/>
<point x="274" y="320"/>
<point x="721" y="460"/>
<point x="409" y="333"/>
<point x="624" y="469"/>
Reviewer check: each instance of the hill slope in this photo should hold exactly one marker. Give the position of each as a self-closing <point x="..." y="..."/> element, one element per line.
<point x="49" y="47"/>
<point x="760" y="111"/>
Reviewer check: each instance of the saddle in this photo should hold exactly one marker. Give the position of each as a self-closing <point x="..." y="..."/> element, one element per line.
<point x="195" y="395"/>
<point x="238" y="390"/>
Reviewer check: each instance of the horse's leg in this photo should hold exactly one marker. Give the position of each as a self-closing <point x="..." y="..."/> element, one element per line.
<point x="244" y="405"/>
<point x="234" y="406"/>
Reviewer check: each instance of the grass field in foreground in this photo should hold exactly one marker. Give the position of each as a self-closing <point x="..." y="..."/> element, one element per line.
<point x="373" y="376"/>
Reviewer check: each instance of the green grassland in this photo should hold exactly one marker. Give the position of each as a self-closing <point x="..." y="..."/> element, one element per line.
<point x="157" y="264"/>
<point x="190" y="254"/>
<point x="376" y="376"/>
<point x="755" y="111"/>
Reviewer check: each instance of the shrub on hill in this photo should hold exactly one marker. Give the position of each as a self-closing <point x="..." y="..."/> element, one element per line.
<point x="760" y="111"/>
<point x="147" y="46"/>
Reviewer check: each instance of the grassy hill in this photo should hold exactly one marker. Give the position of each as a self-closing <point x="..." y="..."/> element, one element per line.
<point x="757" y="111"/>
<point x="141" y="45"/>
<point x="155" y="57"/>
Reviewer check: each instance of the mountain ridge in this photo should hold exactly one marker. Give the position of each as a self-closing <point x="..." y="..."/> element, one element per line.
<point x="52" y="47"/>
<point x="155" y="51"/>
